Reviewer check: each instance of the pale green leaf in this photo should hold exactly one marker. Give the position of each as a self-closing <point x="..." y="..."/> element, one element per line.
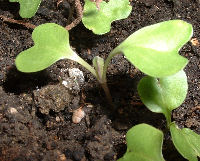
<point x="144" y="143"/>
<point x="28" y="8"/>
<point x="186" y="142"/>
<point x="51" y="44"/>
<point x="154" y="49"/>
<point x="164" y="94"/>
<point x="99" y="20"/>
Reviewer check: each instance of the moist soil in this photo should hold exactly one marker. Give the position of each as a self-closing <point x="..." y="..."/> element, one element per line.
<point x="36" y="109"/>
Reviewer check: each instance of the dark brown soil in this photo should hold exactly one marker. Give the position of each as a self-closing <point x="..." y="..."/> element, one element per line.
<point x="31" y="132"/>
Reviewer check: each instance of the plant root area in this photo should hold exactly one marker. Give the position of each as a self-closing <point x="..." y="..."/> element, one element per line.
<point x="36" y="109"/>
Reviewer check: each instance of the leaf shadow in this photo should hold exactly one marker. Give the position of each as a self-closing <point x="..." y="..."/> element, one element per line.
<point x="17" y="82"/>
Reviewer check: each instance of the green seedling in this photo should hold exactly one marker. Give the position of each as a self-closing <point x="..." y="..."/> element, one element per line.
<point x="99" y="19"/>
<point x="164" y="95"/>
<point x="96" y="17"/>
<point x="144" y="143"/>
<point x="28" y="8"/>
<point x="186" y="142"/>
<point x="152" y="49"/>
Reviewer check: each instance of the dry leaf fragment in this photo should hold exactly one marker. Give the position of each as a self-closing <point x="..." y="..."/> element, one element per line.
<point x="194" y="42"/>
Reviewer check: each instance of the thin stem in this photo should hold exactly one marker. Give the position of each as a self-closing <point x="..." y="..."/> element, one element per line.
<point x="82" y="62"/>
<point x="104" y="85"/>
<point x="108" y="95"/>
<point x="104" y="78"/>
<point x="168" y="118"/>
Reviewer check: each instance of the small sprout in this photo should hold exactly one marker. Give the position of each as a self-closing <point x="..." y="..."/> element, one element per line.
<point x="144" y="143"/>
<point x="78" y="115"/>
<point x="186" y="142"/>
<point x="98" y="15"/>
<point x="28" y="8"/>
<point x="152" y="49"/>
<point x="164" y="94"/>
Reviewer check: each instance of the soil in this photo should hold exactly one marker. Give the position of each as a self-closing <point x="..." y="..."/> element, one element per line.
<point x="36" y="109"/>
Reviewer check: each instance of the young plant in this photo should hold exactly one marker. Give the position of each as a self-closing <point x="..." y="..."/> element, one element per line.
<point x="144" y="143"/>
<point x="28" y="8"/>
<point x="98" y="17"/>
<point x="164" y="95"/>
<point x="152" y="49"/>
<point x="186" y="141"/>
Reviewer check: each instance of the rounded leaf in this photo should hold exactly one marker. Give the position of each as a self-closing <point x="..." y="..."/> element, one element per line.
<point x="186" y="141"/>
<point x="154" y="49"/>
<point x="144" y="143"/>
<point x="51" y="44"/>
<point x="28" y="8"/>
<point x="99" y="20"/>
<point x="164" y="94"/>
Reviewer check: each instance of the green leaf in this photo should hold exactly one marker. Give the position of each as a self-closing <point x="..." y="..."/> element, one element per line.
<point x="154" y="49"/>
<point x="164" y="94"/>
<point x="51" y="44"/>
<point x="99" y="20"/>
<point x="186" y="142"/>
<point x="144" y="143"/>
<point x="28" y="8"/>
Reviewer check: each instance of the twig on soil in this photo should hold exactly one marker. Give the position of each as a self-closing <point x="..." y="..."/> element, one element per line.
<point x="79" y="11"/>
<point x="28" y="25"/>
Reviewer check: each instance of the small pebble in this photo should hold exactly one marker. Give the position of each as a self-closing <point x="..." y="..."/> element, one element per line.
<point x="13" y="110"/>
<point x="78" y="115"/>
<point x="57" y="119"/>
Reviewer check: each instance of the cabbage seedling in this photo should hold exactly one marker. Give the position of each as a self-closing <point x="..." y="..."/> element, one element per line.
<point x="164" y="95"/>
<point x="186" y="141"/>
<point x="144" y="142"/>
<point x="98" y="17"/>
<point x="152" y="49"/>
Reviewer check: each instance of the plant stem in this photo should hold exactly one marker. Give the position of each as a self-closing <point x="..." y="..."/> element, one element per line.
<point x="104" y="78"/>
<point x="108" y="95"/>
<point x="103" y="82"/>
<point x="168" y="118"/>
<point x="82" y="62"/>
